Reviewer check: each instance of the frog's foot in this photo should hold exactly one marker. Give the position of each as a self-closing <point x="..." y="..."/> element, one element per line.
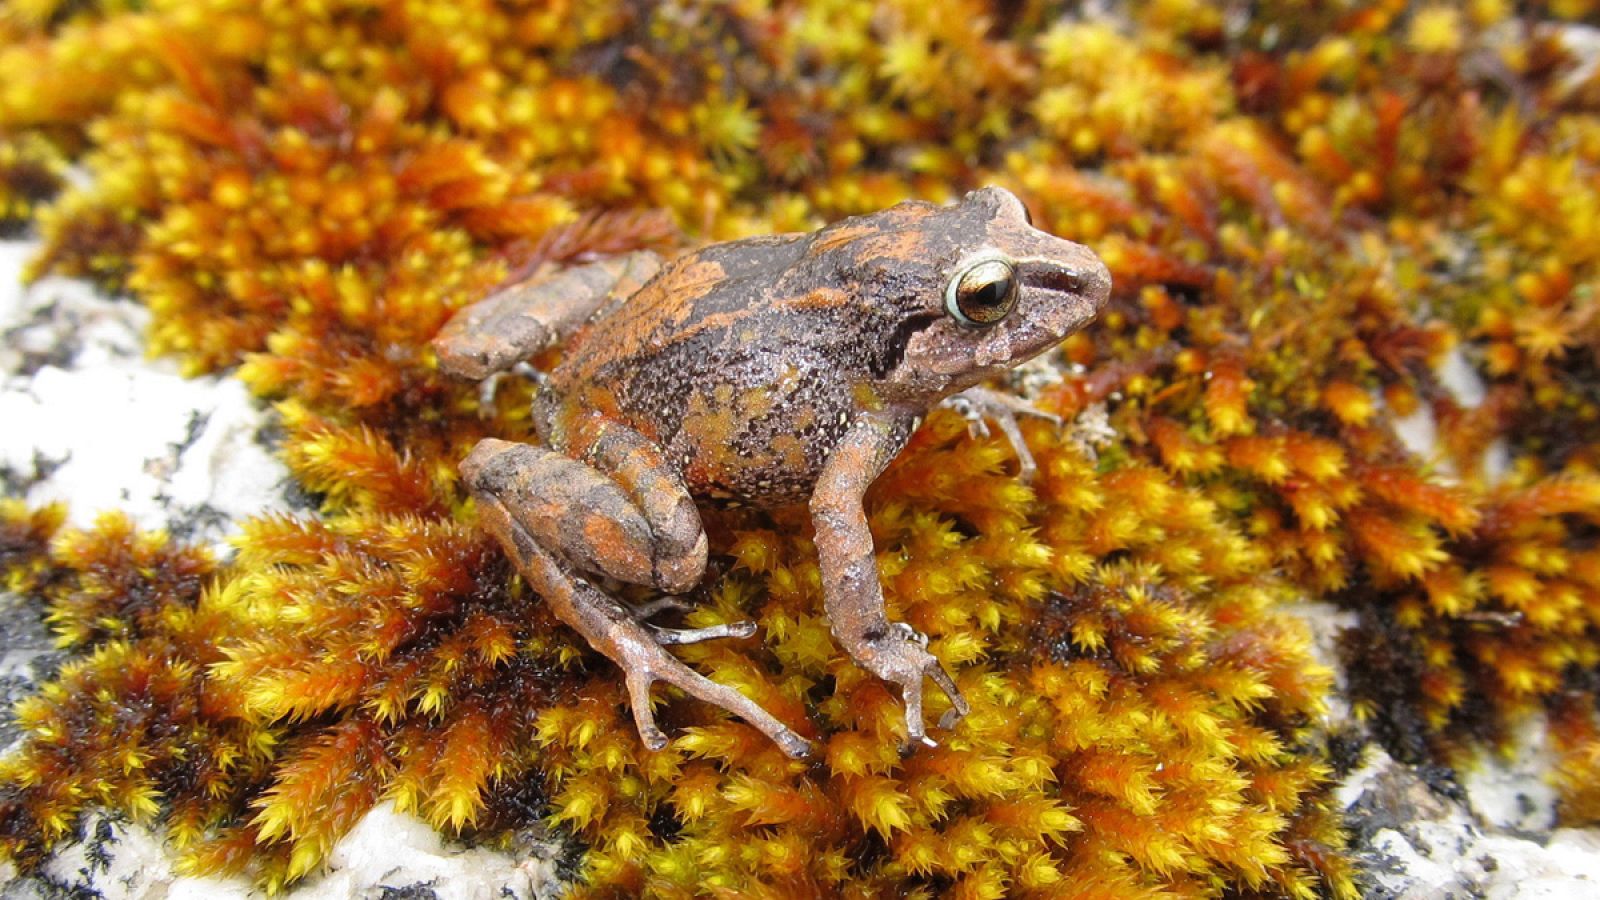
<point x="490" y="386"/>
<point x="633" y="645"/>
<point x="644" y="662"/>
<point x="899" y="654"/>
<point x="979" y="404"/>
<point x="555" y="516"/>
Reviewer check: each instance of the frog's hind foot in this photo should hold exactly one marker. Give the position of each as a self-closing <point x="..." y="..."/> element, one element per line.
<point x="979" y="404"/>
<point x="553" y="514"/>
<point x="649" y="665"/>
<point x="636" y="647"/>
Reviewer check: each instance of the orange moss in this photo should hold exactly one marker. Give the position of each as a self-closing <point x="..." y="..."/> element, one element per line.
<point x="25" y="536"/>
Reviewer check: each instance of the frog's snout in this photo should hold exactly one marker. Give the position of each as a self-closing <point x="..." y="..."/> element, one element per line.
<point x="1072" y="281"/>
<point x="1094" y="281"/>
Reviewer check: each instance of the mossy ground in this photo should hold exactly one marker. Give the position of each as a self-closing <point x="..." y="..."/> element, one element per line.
<point x="1305" y="211"/>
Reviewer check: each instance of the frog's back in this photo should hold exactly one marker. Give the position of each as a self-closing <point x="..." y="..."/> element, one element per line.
<point x="710" y="362"/>
<point x="752" y="296"/>
<point x="744" y="361"/>
<point x="695" y="293"/>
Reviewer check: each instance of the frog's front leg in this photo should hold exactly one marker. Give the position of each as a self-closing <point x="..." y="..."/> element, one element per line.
<point x="977" y="404"/>
<point x="522" y="319"/>
<point x="620" y="512"/>
<point x="852" y="592"/>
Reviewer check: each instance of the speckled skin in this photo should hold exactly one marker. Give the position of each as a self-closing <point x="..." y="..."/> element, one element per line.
<point x="766" y="371"/>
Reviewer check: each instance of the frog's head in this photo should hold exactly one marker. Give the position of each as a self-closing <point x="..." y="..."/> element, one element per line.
<point x="991" y="291"/>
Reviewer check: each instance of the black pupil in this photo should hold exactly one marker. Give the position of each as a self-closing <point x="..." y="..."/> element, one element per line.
<point x="983" y="301"/>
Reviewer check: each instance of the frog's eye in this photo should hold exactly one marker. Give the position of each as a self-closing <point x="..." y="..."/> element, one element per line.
<point x="983" y="294"/>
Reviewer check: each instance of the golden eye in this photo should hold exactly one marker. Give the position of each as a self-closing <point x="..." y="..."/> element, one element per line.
<point x="983" y="294"/>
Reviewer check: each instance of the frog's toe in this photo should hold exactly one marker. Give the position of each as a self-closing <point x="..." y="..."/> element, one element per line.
<point x="638" y="682"/>
<point x="653" y="738"/>
<point x="665" y="636"/>
<point x="696" y="685"/>
<point x="645" y="611"/>
<point x="793" y="745"/>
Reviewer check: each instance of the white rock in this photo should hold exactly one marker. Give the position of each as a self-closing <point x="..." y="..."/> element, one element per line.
<point x="90" y="421"/>
<point x="1421" y="845"/>
<point x="1420" y="433"/>
<point x="1515" y="794"/>
<point x="386" y="851"/>
<point x="391" y="849"/>
<point x="1325" y="621"/>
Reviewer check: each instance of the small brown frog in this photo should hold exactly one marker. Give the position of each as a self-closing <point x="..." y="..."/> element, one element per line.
<point x="765" y="372"/>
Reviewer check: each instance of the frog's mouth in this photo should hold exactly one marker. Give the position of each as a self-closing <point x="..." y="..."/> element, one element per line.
<point x="1064" y="281"/>
<point x="945" y="356"/>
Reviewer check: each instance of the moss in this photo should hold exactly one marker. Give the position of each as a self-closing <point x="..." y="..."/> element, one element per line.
<point x="1305" y="214"/>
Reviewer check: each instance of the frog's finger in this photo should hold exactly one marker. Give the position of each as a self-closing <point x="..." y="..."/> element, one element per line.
<point x="996" y="405"/>
<point x="1026" y="467"/>
<point x="958" y="704"/>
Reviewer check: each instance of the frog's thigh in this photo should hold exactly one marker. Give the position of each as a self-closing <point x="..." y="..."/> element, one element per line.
<point x="518" y="321"/>
<point x="657" y="491"/>
<point x="587" y="517"/>
<point x="505" y="479"/>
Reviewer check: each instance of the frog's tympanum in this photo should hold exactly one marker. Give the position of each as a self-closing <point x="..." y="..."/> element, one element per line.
<point x="765" y="371"/>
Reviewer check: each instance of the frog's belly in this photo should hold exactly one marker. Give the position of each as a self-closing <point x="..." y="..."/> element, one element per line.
<point x="759" y="467"/>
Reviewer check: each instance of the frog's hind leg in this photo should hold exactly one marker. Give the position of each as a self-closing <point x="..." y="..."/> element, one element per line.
<point x="557" y="516"/>
<point x="522" y="319"/>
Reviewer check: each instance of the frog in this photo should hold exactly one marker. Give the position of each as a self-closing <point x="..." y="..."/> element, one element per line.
<point x="764" y="372"/>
